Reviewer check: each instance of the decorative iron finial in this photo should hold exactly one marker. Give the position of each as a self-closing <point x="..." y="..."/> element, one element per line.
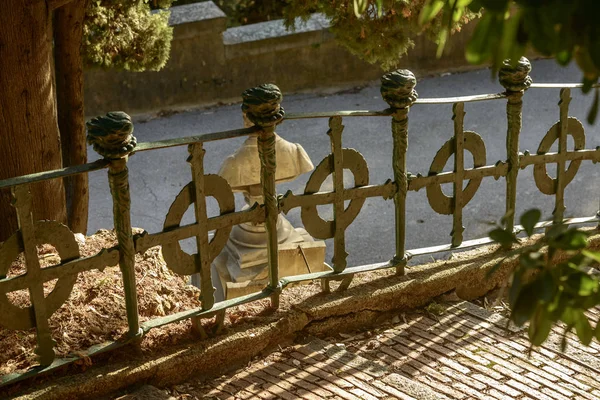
<point x="398" y="88"/>
<point x="111" y="135"/>
<point x="261" y="105"/>
<point x="516" y="78"/>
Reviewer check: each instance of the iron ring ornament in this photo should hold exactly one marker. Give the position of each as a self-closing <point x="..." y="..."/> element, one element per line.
<point x="441" y="203"/>
<point x="543" y="181"/>
<point x="63" y="240"/>
<point x="313" y="223"/>
<point x="176" y="259"/>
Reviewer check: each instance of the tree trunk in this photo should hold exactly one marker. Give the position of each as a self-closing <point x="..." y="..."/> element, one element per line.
<point x="29" y="137"/>
<point x="68" y="36"/>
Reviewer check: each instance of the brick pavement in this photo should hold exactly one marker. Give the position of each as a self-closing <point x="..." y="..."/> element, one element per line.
<point x="465" y="353"/>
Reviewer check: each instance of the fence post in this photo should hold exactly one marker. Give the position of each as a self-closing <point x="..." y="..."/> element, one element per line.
<point x="207" y="291"/>
<point x="458" y="111"/>
<point x="22" y="201"/>
<point x="515" y="80"/>
<point x="561" y="179"/>
<point x="398" y="90"/>
<point x="111" y="136"/>
<point x="262" y="107"/>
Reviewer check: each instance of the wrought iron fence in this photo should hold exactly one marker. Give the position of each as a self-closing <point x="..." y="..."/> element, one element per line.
<point x="111" y="136"/>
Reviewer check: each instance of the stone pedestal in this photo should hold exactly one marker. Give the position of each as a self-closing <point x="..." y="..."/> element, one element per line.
<point x="242" y="267"/>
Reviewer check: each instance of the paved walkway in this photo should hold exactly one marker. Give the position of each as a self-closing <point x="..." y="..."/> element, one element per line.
<point x="465" y="353"/>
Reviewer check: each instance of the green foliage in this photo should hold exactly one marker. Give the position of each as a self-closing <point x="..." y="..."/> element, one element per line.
<point x="544" y="292"/>
<point x="377" y="31"/>
<point x="127" y="35"/>
<point x="565" y="30"/>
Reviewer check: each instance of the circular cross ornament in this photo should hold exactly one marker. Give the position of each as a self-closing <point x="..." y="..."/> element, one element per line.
<point x="313" y="223"/>
<point x="439" y="202"/>
<point x="215" y="186"/>
<point x="63" y="240"/>
<point x="544" y="182"/>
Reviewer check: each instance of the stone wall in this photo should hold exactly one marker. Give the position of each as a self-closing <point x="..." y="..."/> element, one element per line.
<point x="211" y="64"/>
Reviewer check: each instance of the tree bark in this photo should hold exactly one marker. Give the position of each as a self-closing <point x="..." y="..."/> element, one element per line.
<point x="68" y="36"/>
<point x="29" y="136"/>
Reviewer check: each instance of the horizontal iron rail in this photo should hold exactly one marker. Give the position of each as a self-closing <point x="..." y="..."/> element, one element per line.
<point x="205" y="137"/>
<point x="425" y="251"/>
<point x="97" y="261"/>
<point x="559" y="85"/>
<point x="199" y="312"/>
<point x="53" y="174"/>
<point x="61" y="362"/>
<point x="462" y="99"/>
<point x="328" y="114"/>
<point x="388" y="111"/>
<point x="418" y="182"/>
<point x="547" y="158"/>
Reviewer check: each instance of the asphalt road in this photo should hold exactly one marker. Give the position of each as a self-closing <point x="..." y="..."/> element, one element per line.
<point x="156" y="177"/>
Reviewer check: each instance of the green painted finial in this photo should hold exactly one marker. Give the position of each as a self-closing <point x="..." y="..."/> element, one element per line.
<point x="398" y="88"/>
<point x="515" y="78"/>
<point x="111" y="135"/>
<point x="261" y="105"/>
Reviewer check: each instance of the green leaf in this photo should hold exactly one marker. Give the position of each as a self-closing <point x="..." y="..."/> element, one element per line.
<point x="588" y="285"/>
<point x="360" y="7"/>
<point x="529" y="219"/>
<point x="579" y="260"/>
<point x="581" y="284"/>
<point x="556" y="230"/>
<point x="558" y="306"/>
<point x="525" y="306"/>
<point x="594" y="255"/>
<point x="593" y="113"/>
<point x="430" y="10"/>
<point x="564" y="57"/>
<point x="539" y="327"/>
<point x="583" y="328"/>
<point x="505" y="238"/>
<point x="379" y="7"/>
<point x="515" y="290"/>
<point x="588" y="82"/>
<point x="531" y="260"/>
<point x="478" y="48"/>
<point x="593" y="46"/>
<point x="588" y="302"/>
<point x="511" y="47"/>
<point x="569" y="316"/>
<point x="572" y="239"/>
<point x="442" y="38"/>
<point x="545" y="287"/>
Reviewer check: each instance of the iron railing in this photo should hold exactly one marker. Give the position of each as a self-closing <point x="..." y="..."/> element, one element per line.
<point x="111" y="137"/>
